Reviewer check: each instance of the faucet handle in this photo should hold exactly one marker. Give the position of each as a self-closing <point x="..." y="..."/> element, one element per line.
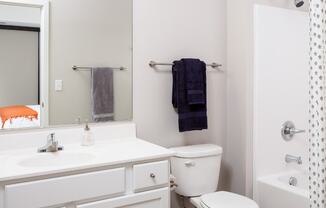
<point x="51" y="137"/>
<point x="288" y="130"/>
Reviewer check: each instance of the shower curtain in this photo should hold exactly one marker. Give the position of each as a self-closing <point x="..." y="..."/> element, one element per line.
<point x="317" y="105"/>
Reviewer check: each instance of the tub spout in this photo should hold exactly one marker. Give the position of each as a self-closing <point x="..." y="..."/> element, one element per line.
<point x="291" y="158"/>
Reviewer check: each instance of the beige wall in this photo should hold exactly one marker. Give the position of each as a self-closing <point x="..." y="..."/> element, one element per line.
<point x="239" y="89"/>
<point x="18" y="67"/>
<point x="165" y="31"/>
<point x="88" y="33"/>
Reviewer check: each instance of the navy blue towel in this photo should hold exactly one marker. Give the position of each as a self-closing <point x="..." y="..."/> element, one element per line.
<point x="189" y="94"/>
<point x="195" y="81"/>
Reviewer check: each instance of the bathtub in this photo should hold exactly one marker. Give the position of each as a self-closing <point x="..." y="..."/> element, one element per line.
<point x="275" y="191"/>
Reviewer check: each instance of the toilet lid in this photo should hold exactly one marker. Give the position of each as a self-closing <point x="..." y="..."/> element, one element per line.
<point x="224" y="199"/>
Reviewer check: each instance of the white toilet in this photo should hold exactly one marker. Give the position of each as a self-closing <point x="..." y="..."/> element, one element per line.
<point x="196" y="169"/>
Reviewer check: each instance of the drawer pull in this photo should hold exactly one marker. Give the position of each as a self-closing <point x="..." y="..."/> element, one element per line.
<point x="152" y="175"/>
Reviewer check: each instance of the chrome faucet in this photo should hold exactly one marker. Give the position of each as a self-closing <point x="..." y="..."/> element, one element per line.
<point x="291" y="158"/>
<point x="51" y="145"/>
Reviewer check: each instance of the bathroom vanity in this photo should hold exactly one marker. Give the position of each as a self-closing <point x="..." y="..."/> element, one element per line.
<point x="118" y="171"/>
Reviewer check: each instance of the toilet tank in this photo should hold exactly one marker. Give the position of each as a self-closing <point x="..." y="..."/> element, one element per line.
<point x="196" y="169"/>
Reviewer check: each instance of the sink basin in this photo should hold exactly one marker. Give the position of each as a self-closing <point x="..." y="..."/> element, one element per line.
<point x="56" y="159"/>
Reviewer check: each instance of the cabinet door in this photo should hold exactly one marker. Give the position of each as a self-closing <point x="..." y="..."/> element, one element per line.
<point x="151" y="199"/>
<point x="61" y="190"/>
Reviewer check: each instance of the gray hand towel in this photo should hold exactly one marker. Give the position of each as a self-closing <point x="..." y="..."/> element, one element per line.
<point x="102" y="94"/>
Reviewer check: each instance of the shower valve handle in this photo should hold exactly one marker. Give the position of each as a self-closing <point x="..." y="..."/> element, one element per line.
<point x="296" y="131"/>
<point x="288" y="131"/>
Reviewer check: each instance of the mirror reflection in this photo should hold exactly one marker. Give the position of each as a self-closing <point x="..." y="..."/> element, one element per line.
<point x="89" y="73"/>
<point x="19" y="67"/>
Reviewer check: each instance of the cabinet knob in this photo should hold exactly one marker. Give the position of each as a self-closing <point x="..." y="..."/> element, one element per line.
<point x="152" y="175"/>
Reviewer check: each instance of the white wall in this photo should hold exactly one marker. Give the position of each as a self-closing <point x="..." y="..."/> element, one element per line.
<point x="281" y="79"/>
<point x="166" y="30"/>
<point x="238" y="66"/>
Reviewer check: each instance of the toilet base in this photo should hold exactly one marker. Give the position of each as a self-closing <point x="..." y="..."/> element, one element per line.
<point x="195" y="201"/>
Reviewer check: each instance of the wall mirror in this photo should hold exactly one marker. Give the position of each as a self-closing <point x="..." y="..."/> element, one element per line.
<point x="65" y="62"/>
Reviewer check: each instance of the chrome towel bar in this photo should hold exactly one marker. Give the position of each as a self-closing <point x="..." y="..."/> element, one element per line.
<point x="88" y="68"/>
<point x="153" y="64"/>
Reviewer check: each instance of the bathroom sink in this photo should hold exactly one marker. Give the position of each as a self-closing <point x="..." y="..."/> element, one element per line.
<point x="56" y="159"/>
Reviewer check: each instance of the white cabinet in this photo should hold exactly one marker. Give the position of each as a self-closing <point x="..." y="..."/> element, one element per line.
<point x="150" y="199"/>
<point x="151" y="175"/>
<point x="140" y="185"/>
<point x="146" y="204"/>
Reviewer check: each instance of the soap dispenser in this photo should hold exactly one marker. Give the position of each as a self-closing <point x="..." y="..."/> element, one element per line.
<point x="88" y="139"/>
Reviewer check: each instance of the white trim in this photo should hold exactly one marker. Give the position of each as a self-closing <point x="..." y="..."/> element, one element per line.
<point x="250" y="110"/>
<point x="44" y="52"/>
<point x="254" y="98"/>
<point x="44" y="63"/>
<point x="27" y="3"/>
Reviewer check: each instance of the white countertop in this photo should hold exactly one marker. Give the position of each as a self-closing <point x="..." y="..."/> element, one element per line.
<point x="112" y="152"/>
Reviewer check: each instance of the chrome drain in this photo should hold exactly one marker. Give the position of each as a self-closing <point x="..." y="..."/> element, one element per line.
<point x="293" y="181"/>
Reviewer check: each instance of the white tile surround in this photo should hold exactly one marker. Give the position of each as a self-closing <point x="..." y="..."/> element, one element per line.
<point x="240" y="43"/>
<point x="280" y="88"/>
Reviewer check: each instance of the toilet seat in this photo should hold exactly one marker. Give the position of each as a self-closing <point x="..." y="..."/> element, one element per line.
<point x="203" y="205"/>
<point x="224" y="199"/>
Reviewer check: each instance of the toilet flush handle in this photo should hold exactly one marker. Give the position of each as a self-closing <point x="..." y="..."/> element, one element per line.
<point x="189" y="163"/>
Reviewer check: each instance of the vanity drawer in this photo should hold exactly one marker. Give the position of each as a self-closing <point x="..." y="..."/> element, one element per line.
<point x="158" y="198"/>
<point x="61" y="190"/>
<point x="150" y="175"/>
